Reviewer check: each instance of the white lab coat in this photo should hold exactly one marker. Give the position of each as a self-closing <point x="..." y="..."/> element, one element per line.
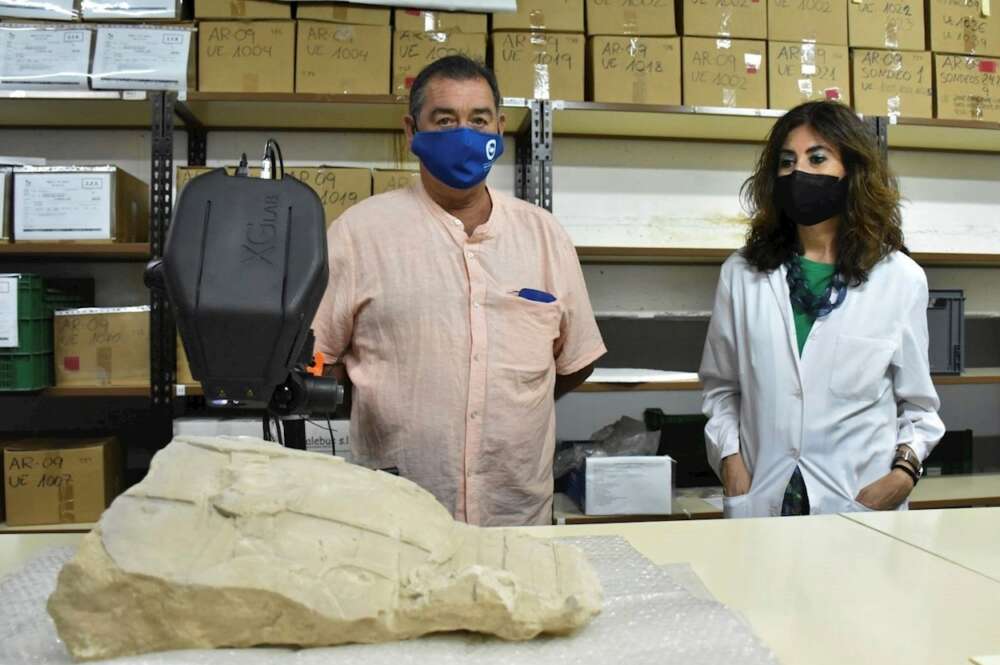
<point x="861" y="387"/>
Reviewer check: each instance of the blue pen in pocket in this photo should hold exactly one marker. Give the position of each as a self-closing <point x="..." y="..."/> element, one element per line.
<point x="535" y="295"/>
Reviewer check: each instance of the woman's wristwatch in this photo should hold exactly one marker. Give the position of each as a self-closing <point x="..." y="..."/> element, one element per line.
<point x="907" y="461"/>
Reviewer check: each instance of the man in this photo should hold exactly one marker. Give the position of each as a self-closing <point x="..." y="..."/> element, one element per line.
<point x="460" y="314"/>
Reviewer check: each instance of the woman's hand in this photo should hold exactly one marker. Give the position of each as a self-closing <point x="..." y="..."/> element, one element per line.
<point x="735" y="477"/>
<point x="886" y="493"/>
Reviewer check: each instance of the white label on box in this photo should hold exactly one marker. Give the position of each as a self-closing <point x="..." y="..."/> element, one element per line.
<point x="52" y="10"/>
<point x="124" y="9"/>
<point x="141" y="59"/>
<point x="62" y="206"/>
<point x="320" y="433"/>
<point x="8" y="312"/>
<point x="629" y="485"/>
<point x="32" y="59"/>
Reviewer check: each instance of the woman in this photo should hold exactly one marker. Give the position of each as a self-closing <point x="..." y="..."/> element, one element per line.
<point x="817" y="383"/>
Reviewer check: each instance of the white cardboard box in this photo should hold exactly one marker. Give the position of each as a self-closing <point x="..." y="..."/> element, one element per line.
<point x="141" y="58"/>
<point x="317" y="432"/>
<point x="125" y="10"/>
<point x="629" y="485"/>
<point x="95" y="203"/>
<point x="33" y="57"/>
<point x="44" y="10"/>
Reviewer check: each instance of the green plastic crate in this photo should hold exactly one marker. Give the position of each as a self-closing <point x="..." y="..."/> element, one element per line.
<point x="25" y="371"/>
<point x="30" y="296"/>
<point x="33" y="336"/>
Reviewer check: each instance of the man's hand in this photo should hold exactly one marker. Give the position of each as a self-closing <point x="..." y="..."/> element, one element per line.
<point x="735" y="477"/>
<point x="888" y="492"/>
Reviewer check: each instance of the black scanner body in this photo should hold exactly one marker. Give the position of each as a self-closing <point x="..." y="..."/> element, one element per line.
<point x="245" y="268"/>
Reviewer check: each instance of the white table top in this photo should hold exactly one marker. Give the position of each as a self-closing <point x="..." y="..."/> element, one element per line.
<point x="827" y="590"/>
<point x="818" y="590"/>
<point x="969" y="538"/>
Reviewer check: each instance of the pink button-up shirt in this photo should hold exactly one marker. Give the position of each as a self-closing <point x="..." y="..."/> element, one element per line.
<point x="453" y="372"/>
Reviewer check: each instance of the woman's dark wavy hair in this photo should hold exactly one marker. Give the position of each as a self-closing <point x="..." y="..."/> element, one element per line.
<point x="870" y="227"/>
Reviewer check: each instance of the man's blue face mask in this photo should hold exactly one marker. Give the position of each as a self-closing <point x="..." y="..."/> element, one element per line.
<point x="460" y="157"/>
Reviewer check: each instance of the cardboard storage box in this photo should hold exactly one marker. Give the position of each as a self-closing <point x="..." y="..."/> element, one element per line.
<point x="50" y="10"/>
<point x="638" y="70"/>
<point x="539" y="65"/>
<point x="741" y="19"/>
<point x="412" y="51"/>
<point x="144" y="58"/>
<point x="45" y="57"/>
<point x="184" y="174"/>
<point x="648" y="19"/>
<point x="805" y="72"/>
<point x="542" y="15"/>
<point x="256" y="9"/>
<point x="967" y="87"/>
<point x="418" y="20"/>
<point x="964" y="26"/>
<point x="246" y="56"/>
<point x="725" y="72"/>
<point x="131" y="10"/>
<point x="85" y="203"/>
<point x="816" y="21"/>
<point x="387" y="180"/>
<point x="343" y="12"/>
<point x="338" y="188"/>
<point x="60" y="481"/>
<point x="899" y="83"/>
<point x="102" y="347"/>
<point x="635" y="485"/>
<point x="183" y="366"/>
<point x="897" y="25"/>
<point x="341" y="59"/>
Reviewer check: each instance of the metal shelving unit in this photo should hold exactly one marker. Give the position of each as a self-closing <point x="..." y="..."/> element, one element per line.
<point x="533" y="124"/>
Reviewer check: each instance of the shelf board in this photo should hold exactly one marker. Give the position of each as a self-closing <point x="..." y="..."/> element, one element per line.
<point x="89" y="109"/>
<point x="697" y="123"/>
<point x="731" y="125"/>
<point x="137" y="251"/>
<point x="972" y="376"/>
<point x="82" y="527"/>
<point x="219" y="110"/>
<point x="299" y="111"/>
<point x="715" y="256"/>
<point x="97" y="391"/>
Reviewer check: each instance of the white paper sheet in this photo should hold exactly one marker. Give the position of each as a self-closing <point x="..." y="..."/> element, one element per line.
<point x="141" y="59"/>
<point x="33" y="59"/>
<point x="631" y="375"/>
<point x="50" y="10"/>
<point x="8" y="311"/>
<point x="62" y="206"/>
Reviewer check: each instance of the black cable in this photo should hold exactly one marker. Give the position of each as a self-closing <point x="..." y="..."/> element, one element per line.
<point x="243" y="169"/>
<point x="266" y="426"/>
<point x="272" y="151"/>
<point x="333" y="443"/>
<point x="281" y="436"/>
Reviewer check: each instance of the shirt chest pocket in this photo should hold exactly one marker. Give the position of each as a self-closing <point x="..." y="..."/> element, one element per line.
<point x="524" y="333"/>
<point x="861" y="367"/>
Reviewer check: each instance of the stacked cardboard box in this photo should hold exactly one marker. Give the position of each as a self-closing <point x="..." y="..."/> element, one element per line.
<point x="421" y="37"/>
<point x="634" y="56"/>
<point x="246" y="56"/>
<point x="539" y="51"/>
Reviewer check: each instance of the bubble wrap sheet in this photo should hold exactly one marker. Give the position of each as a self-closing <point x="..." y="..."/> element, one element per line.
<point x="647" y="618"/>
